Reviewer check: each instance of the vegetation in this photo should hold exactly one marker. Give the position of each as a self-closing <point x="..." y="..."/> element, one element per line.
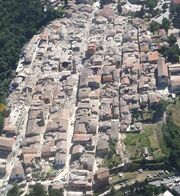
<point x="136" y="2"/>
<point x="171" y="53"/>
<point x="56" y="192"/>
<point x="159" y="109"/>
<point x="172" y="136"/>
<point x="164" y="6"/>
<point x="171" y="131"/>
<point x="104" y="2"/>
<point x="112" y="159"/>
<point x="147" y="115"/>
<point x="151" y="4"/>
<point x="166" y="24"/>
<point x="14" y="191"/>
<point x="116" y="179"/>
<point x="154" y="26"/>
<point x="20" y="20"/>
<point x="119" y="8"/>
<point x="175" y="12"/>
<point x="161" y="140"/>
<point x="150" y="138"/>
<point x="172" y="39"/>
<point x="141" y="13"/>
<point x="37" y="190"/>
<point x="155" y="112"/>
<point x="138" y="189"/>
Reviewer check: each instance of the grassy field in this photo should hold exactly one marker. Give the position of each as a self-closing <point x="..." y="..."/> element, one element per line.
<point x="132" y="176"/>
<point x="175" y="109"/>
<point x="151" y="137"/>
<point x="126" y="176"/>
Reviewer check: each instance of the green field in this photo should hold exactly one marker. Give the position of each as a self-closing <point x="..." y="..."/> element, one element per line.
<point x="150" y="137"/>
<point x="175" y="110"/>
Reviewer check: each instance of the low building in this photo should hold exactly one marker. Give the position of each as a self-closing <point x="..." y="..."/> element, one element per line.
<point x="83" y="139"/>
<point x="6" y="145"/>
<point x="77" y="151"/>
<point x="17" y="172"/>
<point x="102" y="147"/>
<point x="163" y="75"/>
<point x="60" y="160"/>
<point x="154" y="98"/>
<point x="10" y="130"/>
<point x="153" y="57"/>
<point x="101" y="178"/>
<point x="175" y="84"/>
<point x="2" y="169"/>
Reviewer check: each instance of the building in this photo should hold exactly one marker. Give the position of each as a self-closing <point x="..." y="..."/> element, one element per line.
<point x="60" y="160"/>
<point x="163" y="75"/>
<point x="153" y="57"/>
<point x="174" y="74"/>
<point x="6" y="145"/>
<point x="175" y="84"/>
<point x="17" y="172"/>
<point x="101" y="178"/>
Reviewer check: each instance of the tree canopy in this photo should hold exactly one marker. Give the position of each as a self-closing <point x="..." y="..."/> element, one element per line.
<point x="154" y="26"/>
<point x="172" y="39"/>
<point x="175" y="11"/>
<point x="151" y="4"/>
<point x="14" y="191"/>
<point x="37" y="190"/>
<point x="166" y="24"/>
<point x="172" y="136"/>
<point x="172" y="53"/>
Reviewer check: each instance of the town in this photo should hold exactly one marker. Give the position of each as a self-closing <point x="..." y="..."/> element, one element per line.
<point x="86" y="88"/>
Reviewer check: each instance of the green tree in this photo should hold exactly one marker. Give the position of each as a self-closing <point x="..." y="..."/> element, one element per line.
<point x="14" y="191"/>
<point x="151" y="4"/>
<point x="171" y="134"/>
<point x="113" y="191"/>
<point x="173" y="53"/>
<point x="154" y="26"/>
<point x="166" y="24"/>
<point x="65" y="3"/>
<point x="141" y="13"/>
<point x="172" y="39"/>
<point x="119" y="8"/>
<point x="38" y="190"/>
<point x="175" y="12"/>
<point x="112" y="159"/>
<point x="104" y="2"/>
<point x="59" y="192"/>
<point x="164" y="6"/>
